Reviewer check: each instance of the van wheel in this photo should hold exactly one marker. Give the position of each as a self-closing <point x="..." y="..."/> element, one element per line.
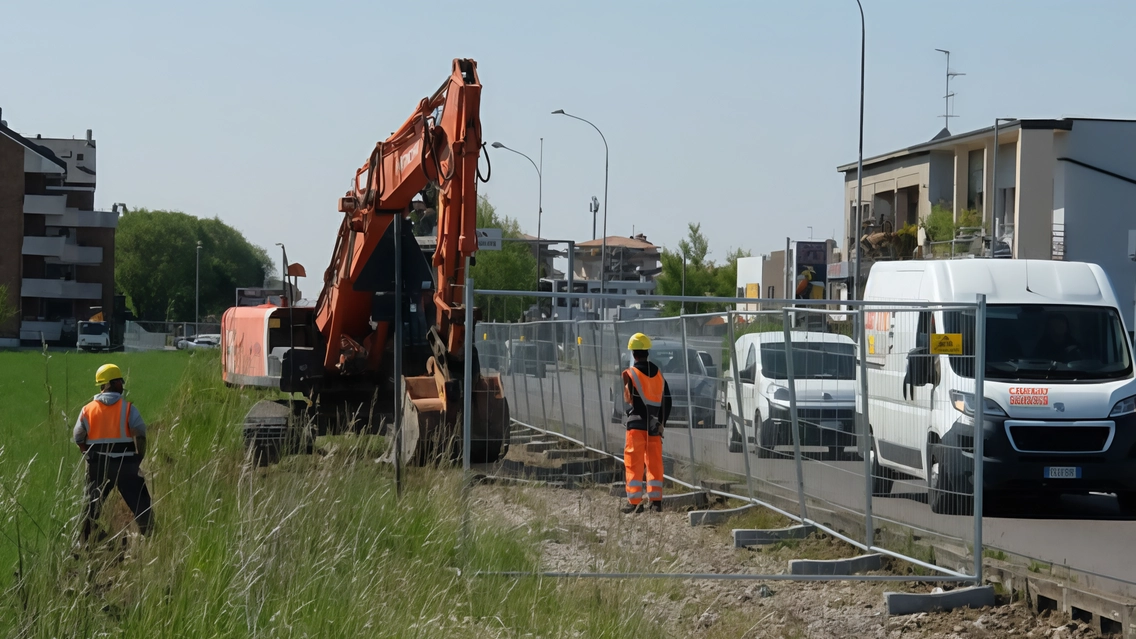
<point x="1127" y="503"/>
<point x="882" y="478"/>
<point x="735" y="445"/>
<point x="944" y="484"/>
<point x="760" y="436"/>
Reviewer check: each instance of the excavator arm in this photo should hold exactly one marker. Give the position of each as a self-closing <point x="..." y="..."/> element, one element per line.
<point x="440" y="142"/>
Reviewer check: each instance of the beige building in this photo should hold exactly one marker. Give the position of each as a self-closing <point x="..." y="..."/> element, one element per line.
<point x="1064" y="189"/>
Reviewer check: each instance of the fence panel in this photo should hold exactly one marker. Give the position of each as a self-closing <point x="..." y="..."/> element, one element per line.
<point x="795" y="405"/>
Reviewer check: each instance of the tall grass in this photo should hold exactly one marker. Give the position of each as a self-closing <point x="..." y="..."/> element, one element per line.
<point x="315" y="546"/>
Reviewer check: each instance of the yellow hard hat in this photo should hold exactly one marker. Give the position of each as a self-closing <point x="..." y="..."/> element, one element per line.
<point x="639" y="342"/>
<point x="106" y="373"/>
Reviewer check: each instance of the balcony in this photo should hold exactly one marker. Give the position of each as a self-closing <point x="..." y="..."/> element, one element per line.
<point x="60" y="289"/>
<point x="45" y="204"/>
<point x="59" y="250"/>
<point x="35" y="331"/>
<point x="55" y="211"/>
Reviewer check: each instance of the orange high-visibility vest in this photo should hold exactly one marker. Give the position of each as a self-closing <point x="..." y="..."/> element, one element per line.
<point x="650" y="389"/>
<point x="108" y="424"/>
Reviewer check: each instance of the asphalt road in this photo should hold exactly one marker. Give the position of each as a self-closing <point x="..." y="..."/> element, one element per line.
<point x="1084" y="532"/>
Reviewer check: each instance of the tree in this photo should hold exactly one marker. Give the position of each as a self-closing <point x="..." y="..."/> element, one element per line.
<point x="702" y="277"/>
<point x="8" y="309"/>
<point x="155" y="264"/>
<point x="513" y="268"/>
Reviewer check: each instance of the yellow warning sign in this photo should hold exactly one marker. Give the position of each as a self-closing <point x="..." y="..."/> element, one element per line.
<point x="871" y="344"/>
<point x="946" y="343"/>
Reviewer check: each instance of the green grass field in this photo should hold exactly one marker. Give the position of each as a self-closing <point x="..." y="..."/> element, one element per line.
<point x="312" y="547"/>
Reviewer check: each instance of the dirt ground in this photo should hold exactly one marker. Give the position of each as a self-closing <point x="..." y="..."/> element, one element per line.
<point x="584" y="532"/>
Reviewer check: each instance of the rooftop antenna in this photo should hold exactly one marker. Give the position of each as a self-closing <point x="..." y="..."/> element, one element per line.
<point x="947" y="115"/>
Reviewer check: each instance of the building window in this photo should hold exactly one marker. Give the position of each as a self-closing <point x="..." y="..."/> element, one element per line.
<point x="975" y="184"/>
<point x="80" y="157"/>
<point x="771" y="294"/>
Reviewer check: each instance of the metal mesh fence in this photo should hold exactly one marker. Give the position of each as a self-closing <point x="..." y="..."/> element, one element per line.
<point x="780" y="406"/>
<point x="150" y="336"/>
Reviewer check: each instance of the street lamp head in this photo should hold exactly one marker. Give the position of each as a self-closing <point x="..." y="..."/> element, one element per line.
<point x="280" y="244"/>
<point x="497" y="145"/>
<point x="199" y="245"/>
<point x="559" y="112"/>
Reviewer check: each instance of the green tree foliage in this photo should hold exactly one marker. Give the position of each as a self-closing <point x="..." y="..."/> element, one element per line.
<point x="155" y="262"/>
<point x="513" y="268"/>
<point x="703" y="277"/>
<point x="7" y="309"/>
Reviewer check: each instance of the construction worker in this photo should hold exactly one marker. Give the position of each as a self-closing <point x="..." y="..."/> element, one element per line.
<point x="648" y="399"/>
<point x="112" y="436"/>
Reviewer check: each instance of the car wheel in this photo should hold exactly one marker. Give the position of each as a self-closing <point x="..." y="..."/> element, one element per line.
<point x="944" y="479"/>
<point x="1127" y="503"/>
<point x="736" y="445"/>
<point x="882" y="478"/>
<point x="761" y="438"/>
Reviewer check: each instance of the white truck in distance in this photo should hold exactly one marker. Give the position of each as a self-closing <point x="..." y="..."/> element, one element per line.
<point x="1060" y="395"/>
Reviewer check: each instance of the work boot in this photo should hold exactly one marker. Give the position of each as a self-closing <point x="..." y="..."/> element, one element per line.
<point x="656" y="506"/>
<point x="631" y="509"/>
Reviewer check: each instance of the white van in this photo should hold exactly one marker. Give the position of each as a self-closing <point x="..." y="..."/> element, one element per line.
<point x="1060" y="393"/>
<point x="824" y="365"/>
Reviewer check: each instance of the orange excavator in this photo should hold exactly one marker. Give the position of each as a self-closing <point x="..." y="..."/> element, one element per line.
<point x="340" y="353"/>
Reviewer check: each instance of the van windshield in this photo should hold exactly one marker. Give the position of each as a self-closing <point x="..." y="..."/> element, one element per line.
<point x="92" y="328"/>
<point x="811" y="360"/>
<point x="1045" y="342"/>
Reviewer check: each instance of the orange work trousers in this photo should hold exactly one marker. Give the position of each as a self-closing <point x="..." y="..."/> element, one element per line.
<point x="642" y="450"/>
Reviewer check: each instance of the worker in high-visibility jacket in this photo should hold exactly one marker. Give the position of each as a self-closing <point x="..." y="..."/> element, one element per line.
<point x="112" y="436"/>
<point x="648" y="400"/>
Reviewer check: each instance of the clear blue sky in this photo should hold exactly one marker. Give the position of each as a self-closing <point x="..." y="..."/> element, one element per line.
<point x="731" y="114"/>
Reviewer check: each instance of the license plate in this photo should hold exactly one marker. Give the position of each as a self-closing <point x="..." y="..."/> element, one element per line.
<point x="1062" y="472"/>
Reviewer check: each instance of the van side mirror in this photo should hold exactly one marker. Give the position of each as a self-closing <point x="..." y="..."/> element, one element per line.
<point x="711" y="370"/>
<point x="747" y="375"/>
<point x="921" y="370"/>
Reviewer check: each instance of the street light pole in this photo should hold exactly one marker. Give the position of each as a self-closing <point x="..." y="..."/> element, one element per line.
<point x="603" y="245"/>
<point x="539" y="197"/>
<point x="859" y="167"/>
<point x="197" y="293"/>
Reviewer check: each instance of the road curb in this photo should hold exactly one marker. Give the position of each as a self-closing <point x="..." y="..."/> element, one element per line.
<point x="849" y="566"/>
<point x="744" y="538"/>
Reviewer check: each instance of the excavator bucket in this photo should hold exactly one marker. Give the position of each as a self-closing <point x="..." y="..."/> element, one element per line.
<point x="432" y="424"/>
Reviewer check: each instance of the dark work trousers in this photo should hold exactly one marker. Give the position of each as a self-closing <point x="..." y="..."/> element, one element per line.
<point x="104" y="473"/>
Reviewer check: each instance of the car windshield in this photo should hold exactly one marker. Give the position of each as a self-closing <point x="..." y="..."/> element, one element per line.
<point x="92" y="329"/>
<point x="811" y="360"/>
<point x="669" y="360"/>
<point x="1045" y="342"/>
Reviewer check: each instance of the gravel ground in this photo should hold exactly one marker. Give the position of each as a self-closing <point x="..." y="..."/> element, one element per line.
<point x="584" y="532"/>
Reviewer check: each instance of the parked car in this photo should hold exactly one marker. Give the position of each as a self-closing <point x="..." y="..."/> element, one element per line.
<point x="530" y="358"/>
<point x="93" y="336"/>
<point x="703" y="376"/>
<point x="824" y="369"/>
<point x="200" y="341"/>
<point x="1059" y="412"/>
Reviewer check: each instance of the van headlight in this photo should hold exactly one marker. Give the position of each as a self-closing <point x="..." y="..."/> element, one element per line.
<point x="777" y="392"/>
<point x="1124" y="407"/>
<point x="965" y="404"/>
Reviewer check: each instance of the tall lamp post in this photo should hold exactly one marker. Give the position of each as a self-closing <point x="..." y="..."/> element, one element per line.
<point x="197" y="293"/>
<point x="539" y="198"/>
<point x="603" y="245"/>
<point x="859" y="167"/>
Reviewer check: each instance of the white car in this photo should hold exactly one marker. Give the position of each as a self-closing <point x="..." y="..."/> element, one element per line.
<point x="824" y="367"/>
<point x="212" y="340"/>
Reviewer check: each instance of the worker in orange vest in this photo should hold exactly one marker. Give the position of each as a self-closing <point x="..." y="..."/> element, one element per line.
<point x="648" y="399"/>
<point x="112" y="436"/>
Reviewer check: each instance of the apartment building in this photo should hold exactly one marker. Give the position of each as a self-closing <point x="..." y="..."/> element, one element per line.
<point x="57" y="251"/>
<point x="1060" y="189"/>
